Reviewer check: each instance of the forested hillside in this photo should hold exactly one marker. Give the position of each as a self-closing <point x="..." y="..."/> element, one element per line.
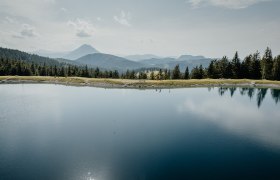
<point x="11" y="54"/>
<point x="13" y="62"/>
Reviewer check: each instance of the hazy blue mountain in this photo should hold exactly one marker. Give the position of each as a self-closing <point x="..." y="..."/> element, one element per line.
<point x="156" y="61"/>
<point x="183" y="64"/>
<point x="110" y="62"/>
<point x="34" y="58"/>
<point x="190" y="57"/>
<point x="66" y="61"/>
<point x="141" y="57"/>
<point x="23" y="56"/>
<point x="72" y="55"/>
<point x="80" y="52"/>
<point x="183" y="61"/>
<point x="193" y="61"/>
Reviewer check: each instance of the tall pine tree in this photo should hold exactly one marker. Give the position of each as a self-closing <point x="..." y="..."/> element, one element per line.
<point x="187" y="74"/>
<point x="267" y="64"/>
<point x="256" y="66"/>
<point x="176" y="74"/>
<point x="236" y="66"/>
<point x="276" y="68"/>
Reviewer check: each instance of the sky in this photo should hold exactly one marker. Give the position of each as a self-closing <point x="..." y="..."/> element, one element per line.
<point x="212" y="28"/>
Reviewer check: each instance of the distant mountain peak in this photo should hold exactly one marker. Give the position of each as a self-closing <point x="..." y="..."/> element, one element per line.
<point x="85" y="46"/>
<point x="81" y="51"/>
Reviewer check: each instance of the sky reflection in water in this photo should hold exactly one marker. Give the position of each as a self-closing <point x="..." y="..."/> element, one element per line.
<point x="60" y="132"/>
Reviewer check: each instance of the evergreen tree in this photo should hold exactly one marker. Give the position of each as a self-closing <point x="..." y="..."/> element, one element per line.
<point x="132" y="75"/>
<point x="197" y="72"/>
<point x="115" y="74"/>
<point x="142" y="75"/>
<point x="86" y="71"/>
<point x="18" y="69"/>
<point x="160" y="75"/>
<point x="176" y="74"/>
<point x="246" y="67"/>
<point x="276" y="68"/>
<point x="168" y="75"/>
<point x="152" y="75"/>
<point x="267" y="64"/>
<point x="127" y="74"/>
<point x="62" y="72"/>
<point x="97" y="73"/>
<point x="69" y="71"/>
<point x="44" y="70"/>
<point x="223" y="65"/>
<point x="236" y="65"/>
<point x="256" y="66"/>
<point x="211" y="70"/>
<point x="228" y="71"/>
<point x="187" y="74"/>
<point x="201" y="72"/>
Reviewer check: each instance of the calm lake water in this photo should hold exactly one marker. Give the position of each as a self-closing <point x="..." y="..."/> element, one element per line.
<point x="56" y="132"/>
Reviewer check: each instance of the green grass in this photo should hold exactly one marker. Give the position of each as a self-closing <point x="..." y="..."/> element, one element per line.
<point x="138" y="83"/>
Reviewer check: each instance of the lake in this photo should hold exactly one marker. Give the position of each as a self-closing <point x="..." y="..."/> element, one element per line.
<point x="62" y="132"/>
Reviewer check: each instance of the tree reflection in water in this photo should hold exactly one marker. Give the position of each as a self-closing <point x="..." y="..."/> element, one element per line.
<point x="250" y="92"/>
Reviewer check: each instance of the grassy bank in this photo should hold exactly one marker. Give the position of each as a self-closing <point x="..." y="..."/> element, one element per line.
<point x="125" y="83"/>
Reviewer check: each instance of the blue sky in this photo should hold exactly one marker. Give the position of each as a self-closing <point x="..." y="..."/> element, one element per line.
<point x="212" y="28"/>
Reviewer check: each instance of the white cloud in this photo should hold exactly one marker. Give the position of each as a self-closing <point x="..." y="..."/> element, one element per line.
<point x="231" y="4"/>
<point x="50" y="21"/>
<point x="82" y="27"/>
<point x="63" y="9"/>
<point x="83" y="34"/>
<point x="10" y="20"/>
<point x="17" y="36"/>
<point x="50" y="1"/>
<point x="28" y="31"/>
<point x="194" y="3"/>
<point x="123" y="18"/>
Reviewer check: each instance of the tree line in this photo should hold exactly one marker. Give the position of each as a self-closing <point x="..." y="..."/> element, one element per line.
<point x="23" y="68"/>
<point x="252" y="67"/>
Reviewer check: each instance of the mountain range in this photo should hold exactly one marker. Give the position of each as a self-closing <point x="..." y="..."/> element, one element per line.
<point x="83" y="50"/>
<point x="141" y="57"/>
<point x="110" y="62"/>
<point x="87" y="55"/>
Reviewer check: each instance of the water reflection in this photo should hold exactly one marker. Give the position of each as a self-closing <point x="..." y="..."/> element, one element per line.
<point x="59" y="132"/>
<point x="235" y="114"/>
<point x="275" y="93"/>
<point x="250" y="92"/>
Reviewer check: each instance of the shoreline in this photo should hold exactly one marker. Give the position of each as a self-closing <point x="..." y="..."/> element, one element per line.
<point x="139" y="84"/>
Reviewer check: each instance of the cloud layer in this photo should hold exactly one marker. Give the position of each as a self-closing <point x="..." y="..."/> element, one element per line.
<point x="231" y="4"/>
<point x="82" y="27"/>
<point x="123" y="18"/>
<point x="28" y="31"/>
<point x="127" y="27"/>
